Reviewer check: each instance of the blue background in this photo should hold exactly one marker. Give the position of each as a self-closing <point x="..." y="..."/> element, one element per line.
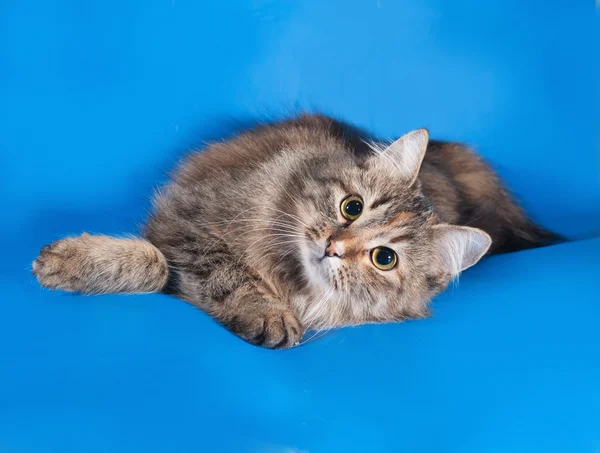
<point x="98" y="100"/>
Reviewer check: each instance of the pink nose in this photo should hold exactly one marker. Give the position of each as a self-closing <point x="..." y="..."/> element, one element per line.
<point x="334" y="249"/>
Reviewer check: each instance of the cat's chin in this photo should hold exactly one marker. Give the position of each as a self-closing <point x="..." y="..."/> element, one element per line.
<point x="321" y="273"/>
<point x="319" y="270"/>
<point x="317" y="275"/>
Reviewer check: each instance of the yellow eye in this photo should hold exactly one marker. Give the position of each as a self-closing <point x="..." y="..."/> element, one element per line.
<point x="352" y="207"/>
<point x="384" y="258"/>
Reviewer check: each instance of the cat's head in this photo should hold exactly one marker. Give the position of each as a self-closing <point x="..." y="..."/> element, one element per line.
<point x="371" y="243"/>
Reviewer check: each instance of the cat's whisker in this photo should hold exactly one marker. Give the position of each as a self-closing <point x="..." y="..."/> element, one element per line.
<point x="261" y="220"/>
<point x="317" y="310"/>
<point x="245" y="253"/>
<point x="297" y="219"/>
<point x="277" y="245"/>
<point x="276" y="230"/>
<point x="236" y="219"/>
<point x="287" y="228"/>
<point x="318" y="334"/>
<point x="271" y="234"/>
<point x="276" y="248"/>
<point x="263" y="224"/>
<point x="323" y="332"/>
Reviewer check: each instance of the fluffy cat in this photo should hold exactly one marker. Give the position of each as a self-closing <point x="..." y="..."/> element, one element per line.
<point x="305" y="224"/>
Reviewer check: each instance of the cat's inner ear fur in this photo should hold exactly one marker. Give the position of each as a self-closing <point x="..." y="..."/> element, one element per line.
<point x="406" y="154"/>
<point x="459" y="247"/>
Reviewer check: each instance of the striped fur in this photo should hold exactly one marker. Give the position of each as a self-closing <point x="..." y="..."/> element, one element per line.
<point x="242" y="229"/>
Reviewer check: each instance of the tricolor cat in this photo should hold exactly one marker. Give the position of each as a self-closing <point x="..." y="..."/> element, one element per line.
<point x="305" y="224"/>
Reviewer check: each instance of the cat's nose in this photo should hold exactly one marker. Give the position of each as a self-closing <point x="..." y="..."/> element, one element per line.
<point x="334" y="248"/>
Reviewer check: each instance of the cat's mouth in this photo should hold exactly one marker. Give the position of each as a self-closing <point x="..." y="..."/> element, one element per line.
<point x="322" y="270"/>
<point x="325" y="272"/>
<point x="331" y="270"/>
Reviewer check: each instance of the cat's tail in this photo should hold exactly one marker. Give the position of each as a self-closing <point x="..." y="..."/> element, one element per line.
<point x="527" y="235"/>
<point x="102" y="264"/>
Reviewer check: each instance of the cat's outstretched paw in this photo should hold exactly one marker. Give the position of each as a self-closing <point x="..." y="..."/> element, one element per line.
<point x="268" y="327"/>
<point x="58" y="265"/>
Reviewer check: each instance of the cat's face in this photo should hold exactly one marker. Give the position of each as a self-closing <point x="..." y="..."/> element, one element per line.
<point x="371" y="242"/>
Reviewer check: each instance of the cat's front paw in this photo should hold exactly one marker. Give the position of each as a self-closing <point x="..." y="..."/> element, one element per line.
<point x="268" y="327"/>
<point x="58" y="265"/>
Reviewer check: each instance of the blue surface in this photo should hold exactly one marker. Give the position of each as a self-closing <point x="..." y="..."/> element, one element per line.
<point x="99" y="99"/>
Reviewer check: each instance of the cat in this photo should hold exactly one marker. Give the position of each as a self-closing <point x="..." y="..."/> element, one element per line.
<point x="307" y="223"/>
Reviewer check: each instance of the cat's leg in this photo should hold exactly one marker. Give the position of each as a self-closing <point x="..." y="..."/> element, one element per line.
<point x="241" y="302"/>
<point x="206" y="272"/>
<point x="260" y="319"/>
<point x="101" y="264"/>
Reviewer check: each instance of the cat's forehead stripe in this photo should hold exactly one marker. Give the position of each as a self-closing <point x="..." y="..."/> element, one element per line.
<point x="401" y="217"/>
<point x="380" y="201"/>
<point x="390" y="220"/>
<point x="337" y="181"/>
<point x="400" y="238"/>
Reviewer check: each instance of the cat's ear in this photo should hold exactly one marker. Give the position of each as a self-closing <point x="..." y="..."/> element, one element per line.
<point x="407" y="153"/>
<point x="459" y="247"/>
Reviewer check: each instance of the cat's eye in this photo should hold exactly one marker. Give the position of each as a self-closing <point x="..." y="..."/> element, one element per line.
<point x="352" y="207"/>
<point x="384" y="258"/>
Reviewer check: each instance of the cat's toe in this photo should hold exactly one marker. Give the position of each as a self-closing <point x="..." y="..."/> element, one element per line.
<point x="53" y="267"/>
<point x="277" y="329"/>
<point x="282" y="331"/>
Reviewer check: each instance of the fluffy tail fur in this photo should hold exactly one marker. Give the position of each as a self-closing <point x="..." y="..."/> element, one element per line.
<point x="527" y="236"/>
<point x="102" y="264"/>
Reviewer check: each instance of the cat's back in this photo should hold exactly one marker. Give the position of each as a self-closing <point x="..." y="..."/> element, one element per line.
<point x="243" y="155"/>
<point x="465" y="190"/>
<point x="453" y="174"/>
<point x="226" y="179"/>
